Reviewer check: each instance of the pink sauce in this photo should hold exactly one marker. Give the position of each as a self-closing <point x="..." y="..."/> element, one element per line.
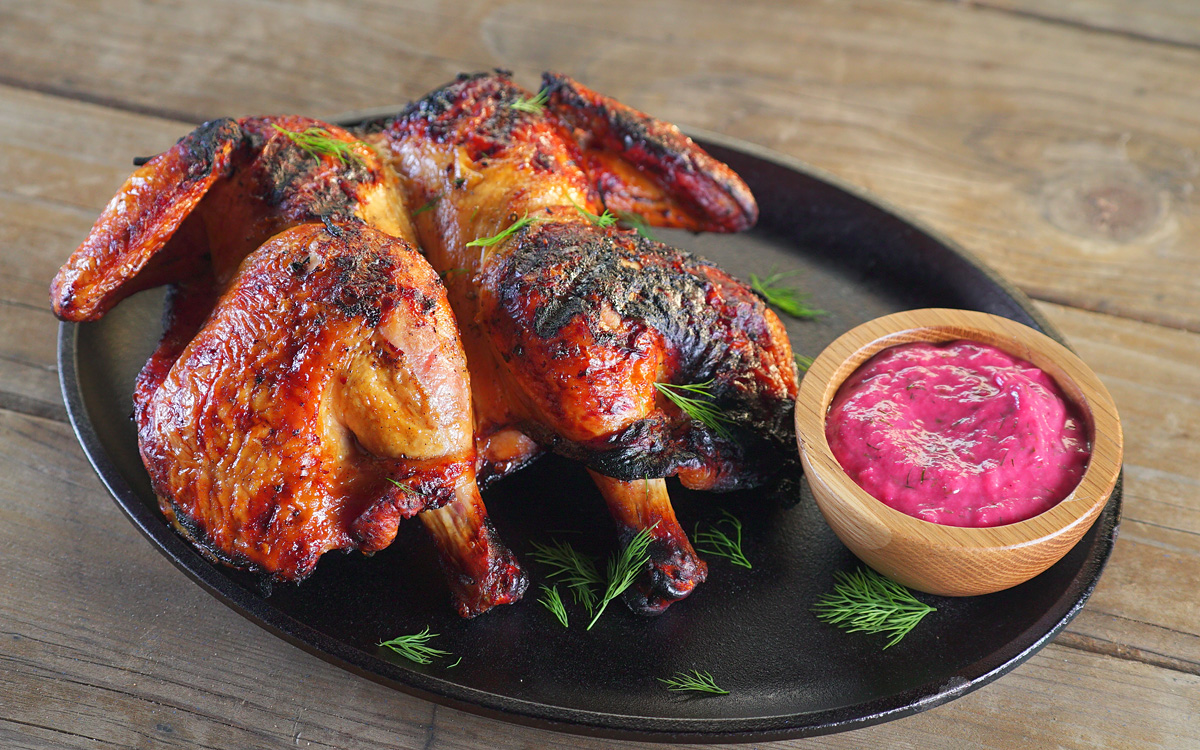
<point x="960" y="434"/>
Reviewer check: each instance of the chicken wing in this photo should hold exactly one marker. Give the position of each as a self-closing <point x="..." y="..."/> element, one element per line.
<point x="292" y="390"/>
<point x="206" y="203"/>
<point x="570" y="327"/>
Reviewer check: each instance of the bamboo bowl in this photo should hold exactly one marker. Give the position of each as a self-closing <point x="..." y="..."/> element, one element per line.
<point x="951" y="560"/>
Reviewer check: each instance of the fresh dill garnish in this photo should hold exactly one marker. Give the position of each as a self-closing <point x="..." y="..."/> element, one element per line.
<point x="416" y="647"/>
<point x="636" y="223"/>
<point x="455" y="664"/>
<point x="623" y="569"/>
<point x="865" y="601"/>
<point x="605" y="219"/>
<point x="553" y="602"/>
<point x="715" y="541"/>
<point x="802" y="362"/>
<point x="403" y="487"/>
<point x="512" y="229"/>
<point x="702" y="411"/>
<point x="786" y="299"/>
<point x="318" y="142"/>
<point x="695" y="681"/>
<point x="575" y="570"/>
<point x="429" y="204"/>
<point x="533" y="105"/>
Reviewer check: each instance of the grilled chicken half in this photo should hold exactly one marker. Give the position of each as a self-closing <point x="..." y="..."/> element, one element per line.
<point x="310" y="390"/>
<point x="571" y="326"/>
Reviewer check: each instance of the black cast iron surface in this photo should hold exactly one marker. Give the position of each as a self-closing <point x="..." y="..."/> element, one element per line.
<point x="788" y="674"/>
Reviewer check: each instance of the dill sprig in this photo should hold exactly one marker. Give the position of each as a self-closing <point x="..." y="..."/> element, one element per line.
<point x="693" y="680"/>
<point x="636" y="223"/>
<point x="865" y="601"/>
<point x="700" y="410"/>
<point x="429" y="204"/>
<point x="416" y="647"/>
<point x="533" y="105"/>
<point x="786" y="299"/>
<point x="715" y="541"/>
<point x="575" y="570"/>
<point x="512" y="229"/>
<point x="553" y="602"/>
<point x="623" y="569"/>
<point x="403" y="487"/>
<point x="605" y="219"/>
<point x="318" y="142"/>
<point x="802" y="362"/>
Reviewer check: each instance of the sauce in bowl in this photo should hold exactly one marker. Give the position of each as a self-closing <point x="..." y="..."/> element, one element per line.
<point x="961" y="434"/>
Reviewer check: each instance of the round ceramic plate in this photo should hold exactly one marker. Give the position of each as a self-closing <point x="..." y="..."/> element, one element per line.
<point x="787" y="673"/>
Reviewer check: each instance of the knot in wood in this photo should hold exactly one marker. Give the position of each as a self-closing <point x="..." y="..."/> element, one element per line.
<point x="1106" y="202"/>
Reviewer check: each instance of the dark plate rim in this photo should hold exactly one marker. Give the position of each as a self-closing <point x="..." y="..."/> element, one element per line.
<point x="599" y="724"/>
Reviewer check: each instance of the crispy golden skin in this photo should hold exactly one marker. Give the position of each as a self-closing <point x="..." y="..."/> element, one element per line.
<point x="567" y="325"/>
<point x="297" y="380"/>
<point x="326" y="369"/>
<point x="212" y="198"/>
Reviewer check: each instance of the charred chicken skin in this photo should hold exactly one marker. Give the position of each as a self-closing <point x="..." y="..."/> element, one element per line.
<point x="309" y="392"/>
<point x="215" y="196"/>
<point x="568" y="325"/>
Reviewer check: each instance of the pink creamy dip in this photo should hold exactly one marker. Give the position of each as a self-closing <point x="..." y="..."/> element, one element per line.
<point x="960" y="434"/>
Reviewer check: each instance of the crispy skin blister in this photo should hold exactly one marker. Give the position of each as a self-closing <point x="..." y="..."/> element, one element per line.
<point x="323" y="401"/>
<point x="568" y="326"/>
<point x="207" y="202"/>
<point x="190" y="216"/>
<point x="644" y="166"/>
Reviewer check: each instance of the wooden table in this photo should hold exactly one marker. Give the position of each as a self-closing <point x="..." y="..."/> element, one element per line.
<point x="1058" y="141"/>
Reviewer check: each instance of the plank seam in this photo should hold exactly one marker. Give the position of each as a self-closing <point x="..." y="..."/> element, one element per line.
<point x="1137" y="36"/>
<point x="1175" y="323"/>
<point x="173" y="705"/>
<point x="32" y="407"/>
<point x="63" y="92"/>
<point x="55" y="730"/>
<point x="1102" y="647"/>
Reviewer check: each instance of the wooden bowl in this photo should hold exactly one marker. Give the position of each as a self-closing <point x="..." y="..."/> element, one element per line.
<point x="951" y="560"/>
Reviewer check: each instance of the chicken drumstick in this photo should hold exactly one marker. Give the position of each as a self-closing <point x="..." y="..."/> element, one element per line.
<point x="307" y="398"/>
<point x="569" y="325"/>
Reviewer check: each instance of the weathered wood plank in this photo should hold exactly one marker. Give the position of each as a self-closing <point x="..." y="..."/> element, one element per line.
<point x="1019" y="138"/>
<point x="1149" y="369"/>
<point x="1140" y="603"/>
<point x="1138" y="612"/>
<point x="50" y="194"/>
<point x="106" y="644"/>
<point x="1019" y="129"/>
<point x="1169" y="21"/>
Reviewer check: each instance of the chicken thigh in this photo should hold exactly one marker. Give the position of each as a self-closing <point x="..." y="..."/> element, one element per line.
<point x="572" y="328"/>
<point x="307" y="394"/>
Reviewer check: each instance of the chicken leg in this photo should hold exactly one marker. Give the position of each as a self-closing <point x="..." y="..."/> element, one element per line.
<point x="571" y="327"/>
<point x="191" y="216"/>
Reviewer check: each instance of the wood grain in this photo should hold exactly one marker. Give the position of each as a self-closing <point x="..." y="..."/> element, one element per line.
<point x="106" y="644"/>
<point x="1058" y="141"/>
<point x="49" y="197"/>
<point x="1149" y="20"/>
<point x="1152" y="375"/>
<point x="1017" y="137"/>
<point x="937" y="558"/>
<point x="1149" y="370"/>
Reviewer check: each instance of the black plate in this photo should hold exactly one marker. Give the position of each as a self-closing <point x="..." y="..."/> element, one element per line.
<point x="788" y="674"/>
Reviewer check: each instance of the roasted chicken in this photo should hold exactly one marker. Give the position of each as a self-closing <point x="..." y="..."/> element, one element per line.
<point x="215" y="196"/>
<point x="572" y="327"/>
<point x="310" y="390"/>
